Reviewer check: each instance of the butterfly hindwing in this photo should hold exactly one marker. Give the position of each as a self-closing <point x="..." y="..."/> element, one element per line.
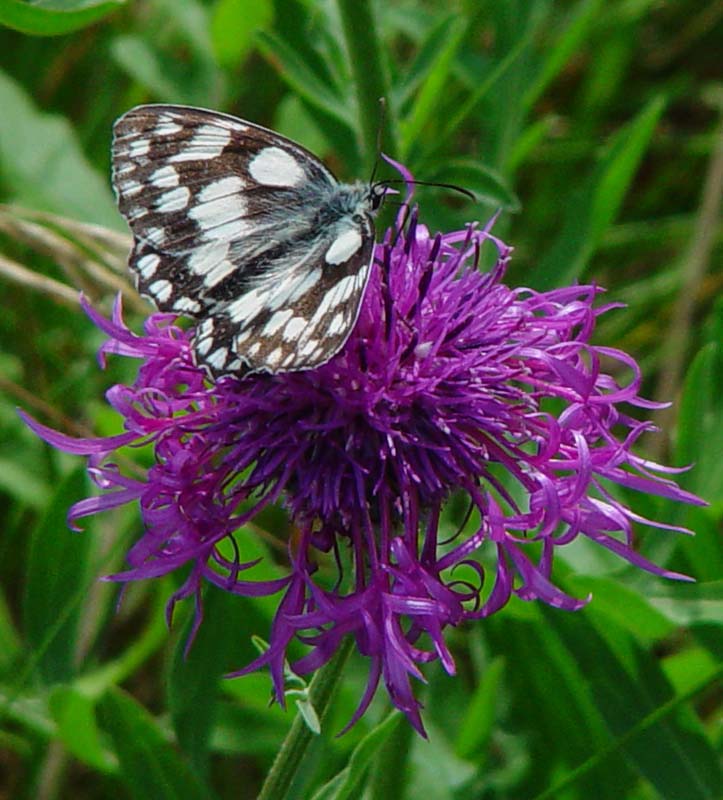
<point x="298" y="322"/>
<point x="246" y="231"/>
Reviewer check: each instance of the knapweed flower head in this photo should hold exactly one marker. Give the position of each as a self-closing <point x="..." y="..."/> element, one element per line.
<point x="451" y="383"/>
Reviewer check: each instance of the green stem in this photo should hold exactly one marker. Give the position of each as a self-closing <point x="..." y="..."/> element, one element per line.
<point x="369" y="74"/>
<point x="321" y="693"/>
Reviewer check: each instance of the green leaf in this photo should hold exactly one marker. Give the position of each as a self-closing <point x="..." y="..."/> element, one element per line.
<point x="630" y="689"/>
<point x="54" y="17"/>
<point x="592" y="208"/>
<point x="193" y="686"/>
<point x="43" y="165"/>
<point x="179" y="66"/>
<point x="616" y="702"/>
<point x="424" y="60"/>
<point x="689" y="603"/>
<point x="434" y="90"/>
<point x="584" y="15"/>
<point x="149" y="766"/>
<point x="348" y="783"/>
<point x="74" y="714"/>
<point x="479" y="721"/>
<point x="487" y="184"/>
<point x="470" y="104"/>
<point x="56" y="582"/>
<point x="9" y="636"/>
<point x="145" y="65"/>
<point x="700" y="422"/>
<point x="234" y="24"/>
<point x="302" y="79"/>
<point x="20" y="481"/>
<point x="634" y="611"/>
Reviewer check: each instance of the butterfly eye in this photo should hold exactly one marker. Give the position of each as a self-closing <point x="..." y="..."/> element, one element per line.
<point x="376" y="195"/>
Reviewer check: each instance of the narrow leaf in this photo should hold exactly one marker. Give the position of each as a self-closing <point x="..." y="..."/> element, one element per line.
<point x="486" y="183"/>
<point x="700" y="422"/>
<point x="233" y="26"/>
<point x="54" y="589"/>
<point x="433" y="91"/>
<point x="348" y="783"/>
<point x="478" y="723"/>
<point x="149" y="766"/>
<point x="51" y="18"/>
<point x="592" y="208"/>
<point x="221" y="645"/>
<point x="74" y="714"/>
<point x="44" y="166"/>
<point x="581" y="18"/>
<point x="301" y="79"/>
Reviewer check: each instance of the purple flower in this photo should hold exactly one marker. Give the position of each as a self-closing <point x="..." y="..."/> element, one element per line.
<point x="450" y="382"/>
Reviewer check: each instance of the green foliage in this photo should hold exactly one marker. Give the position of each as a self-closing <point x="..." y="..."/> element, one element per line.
<point x="593" y="126"/>
<point x="54" y="17"/>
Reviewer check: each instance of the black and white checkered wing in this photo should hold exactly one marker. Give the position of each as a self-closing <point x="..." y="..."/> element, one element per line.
<point x="244" y="230"/>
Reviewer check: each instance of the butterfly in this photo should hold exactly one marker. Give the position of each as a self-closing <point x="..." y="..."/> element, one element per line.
<point x="245" y="231"/>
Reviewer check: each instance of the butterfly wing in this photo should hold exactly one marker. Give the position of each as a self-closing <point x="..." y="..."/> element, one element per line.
<point x="293" y="319"/>
<point x="225" y="216"/>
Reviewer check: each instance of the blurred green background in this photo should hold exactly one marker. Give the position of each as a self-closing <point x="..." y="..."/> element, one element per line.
<point x="597" y="128"/>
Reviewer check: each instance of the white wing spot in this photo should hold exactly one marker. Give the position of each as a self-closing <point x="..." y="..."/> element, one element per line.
<point x="187" y="304"/>
<point x="206" y="258"/>
<point x="136" y="213"/>
<point x="273" y="166"/>
<point x="345" y="287"/>
<point x="310" y="280"/>
<point x="221" y="188"/>
<point x="154" y="235"/>
<point x="309" y="347"/>
<point x="242" y="337"/>
<point x="254" y="349"/>
<point x="221" y="206"/>
<point x="130" y="188"/>
<point x="247" y="306"/>
<point x="175" y="200"/>
<point x="293" y="328"/>
<point x="344" y="247"/>
<point x="222" y="270"/>
<point x="147" y="265"/>
<point x="166" y="128"/>
<point x="139" y="147"/>
<point x="161" y="290"/>
<point x="203" y="345"/>
<point x="274" y="356"/>
<point x="208" y="142"/>
<point x="119" y="172"/>
<point x="329" y="302"/>
<point x="165" y="178"/>
<point x="337" y="324"/>
<point x="218" y="357"/>
<point x="279" y="318"/>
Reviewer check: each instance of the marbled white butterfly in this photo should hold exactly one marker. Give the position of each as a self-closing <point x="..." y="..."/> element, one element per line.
<point x="245" y="231"/>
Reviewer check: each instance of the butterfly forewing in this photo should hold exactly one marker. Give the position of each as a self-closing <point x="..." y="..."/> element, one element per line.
<point x="244" y="230"/>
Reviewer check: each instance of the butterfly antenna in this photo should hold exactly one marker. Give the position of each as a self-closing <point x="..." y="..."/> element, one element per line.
<point x="452" y="186"/>
<point x="378" y="147"/>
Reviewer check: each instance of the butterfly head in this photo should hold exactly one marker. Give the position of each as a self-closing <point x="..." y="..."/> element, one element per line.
<point x="378" y="192"/>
